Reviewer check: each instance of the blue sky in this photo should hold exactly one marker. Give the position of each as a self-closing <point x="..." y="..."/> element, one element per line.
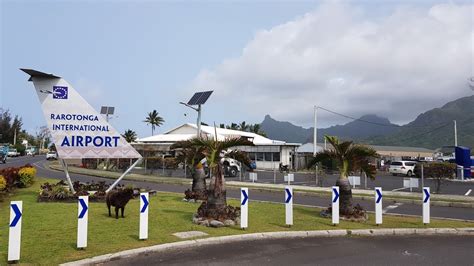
<point x="144" y="55"/>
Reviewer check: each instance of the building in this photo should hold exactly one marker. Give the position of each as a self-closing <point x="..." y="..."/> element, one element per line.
<point x="387" y="153"/>
<point x="267" y="153"/>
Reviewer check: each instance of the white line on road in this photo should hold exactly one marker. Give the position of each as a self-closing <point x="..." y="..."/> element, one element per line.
<point x="391" y="207"/>
<point x="468" y="192"/>
<point x="397" y="189"/>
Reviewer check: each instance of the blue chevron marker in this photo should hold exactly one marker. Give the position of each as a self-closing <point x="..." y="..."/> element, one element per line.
<point x="427" y="195"/>
<point x="336" y="196"/>
<point x="379" y="196"/>
<point x="84" y="208"/>
<point x="17" y="215"/>
<point x="289" y="196"/>
<point x="246" y="197"/>
<point x="145" y="204"/>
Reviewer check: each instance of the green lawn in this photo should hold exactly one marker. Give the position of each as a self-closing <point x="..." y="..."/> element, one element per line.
<point x="49" y="229"/>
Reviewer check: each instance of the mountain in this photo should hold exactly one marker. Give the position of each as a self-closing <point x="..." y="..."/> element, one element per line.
<point x="435" y="128"/>
<point x="431" y="129"/>
<point x="358" y="129"/>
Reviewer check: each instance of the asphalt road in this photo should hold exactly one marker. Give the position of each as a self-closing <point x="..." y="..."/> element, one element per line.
<point x="413" y="250"/>
<point x="389" y="207"/>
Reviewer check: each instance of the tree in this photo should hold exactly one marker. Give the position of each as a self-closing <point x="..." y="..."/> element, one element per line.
<point x="349" y="157"/>
<point x="257" y="130"/>
<point x="243" y="126"/>
<point x="439" y="171"/>
<point x="192" y="157"/>
<point x="154" y="119"/>
<point x="130" y="135"/>
<point x="213" y="150"/>
<point x="233" y="126"/>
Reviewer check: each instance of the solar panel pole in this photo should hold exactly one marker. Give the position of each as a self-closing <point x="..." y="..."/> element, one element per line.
<point x="199" y="122"/>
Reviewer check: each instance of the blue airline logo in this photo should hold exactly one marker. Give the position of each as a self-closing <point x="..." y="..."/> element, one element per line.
<point x="60" y="92"/>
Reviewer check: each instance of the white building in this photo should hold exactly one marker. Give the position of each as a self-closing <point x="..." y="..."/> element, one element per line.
<point x="266" y="153"/>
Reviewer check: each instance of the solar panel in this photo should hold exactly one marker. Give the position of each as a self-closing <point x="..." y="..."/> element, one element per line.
<point x="111" y="110"/>
<point x="200" y="98"/>
<point x="103" y="110"/>
<point x="194" y="99"/>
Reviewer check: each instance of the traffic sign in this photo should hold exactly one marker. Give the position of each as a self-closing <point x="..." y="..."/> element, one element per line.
<point x="253" y="177"/>
<point x="426" y="205"/>
<point x="289" y="205"/>
<point x="354" y="180"/>
<point x="82" y="221"/>
<point x="14" y="237"/>
<point x="244" y="207"/>
<point x="378" y="205"/>
<point x="143" y="231"/>
<point x="335" y="205"/>
<point x="289" y="178"/>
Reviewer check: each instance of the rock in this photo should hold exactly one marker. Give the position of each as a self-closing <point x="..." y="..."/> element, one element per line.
<point x="204" y="223"/>
<point x="185" y="200"/>
<point x="217" y="224"/>
<point x="229" y="223"/>
<point x="195" y="220"/>
<point x="192" y="200"/>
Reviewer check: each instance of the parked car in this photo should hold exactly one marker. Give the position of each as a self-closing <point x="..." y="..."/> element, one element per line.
<point x="52" y="155"/>
<point x="13" y="153"/>
<point x="402" y="167"/>
<point x="3" y="156"/>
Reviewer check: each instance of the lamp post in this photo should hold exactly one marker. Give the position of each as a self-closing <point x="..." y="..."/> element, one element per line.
<point x="198" y="123"/>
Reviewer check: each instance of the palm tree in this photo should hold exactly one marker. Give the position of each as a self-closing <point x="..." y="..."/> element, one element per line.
<point x="193" y="156"/>
<point x="257" y="130"/>
<point x="243" y="126"/>
<point x="129" y="135"/>
<point x="216" y="205"/>
<point x="154" y="119"/>
<point x="348" y="157"/>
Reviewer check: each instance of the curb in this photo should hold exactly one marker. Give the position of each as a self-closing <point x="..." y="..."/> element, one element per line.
<point x="273" y="235"/>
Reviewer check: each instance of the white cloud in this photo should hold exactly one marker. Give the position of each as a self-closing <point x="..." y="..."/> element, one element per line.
<point x="336" y="56"/>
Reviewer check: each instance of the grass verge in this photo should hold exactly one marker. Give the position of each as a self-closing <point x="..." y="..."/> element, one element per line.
<point x="49" y="229"/>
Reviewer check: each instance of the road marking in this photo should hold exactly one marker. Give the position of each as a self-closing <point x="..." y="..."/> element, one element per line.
<point x="391" y="207"/>
<point x="468" y="192"/>
<point x="397" y="189"/>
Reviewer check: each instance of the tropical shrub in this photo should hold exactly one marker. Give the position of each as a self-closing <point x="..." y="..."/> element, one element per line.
<point x="26" y="176"/>
<point x="3" y="183"/>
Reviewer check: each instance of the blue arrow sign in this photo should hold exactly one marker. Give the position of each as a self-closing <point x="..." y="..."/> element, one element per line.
<point x="427" y="195"/>
<point x="145" y="204"/>
<point x="84" y="208"/>
<point x="17" y="215"/>
<point x="336" y="197"/>
<point x="288" y="195"/>
<point x="379" y="196"/>
<point x="246" y="197"/>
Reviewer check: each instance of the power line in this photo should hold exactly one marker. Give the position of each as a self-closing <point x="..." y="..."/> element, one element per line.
<point x="374" y="123"/>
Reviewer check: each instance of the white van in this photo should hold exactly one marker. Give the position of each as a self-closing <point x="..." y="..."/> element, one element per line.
<point x="402" y="167"/>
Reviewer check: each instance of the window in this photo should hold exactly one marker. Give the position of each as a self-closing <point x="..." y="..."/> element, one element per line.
<point x="396" y="163"/>
<point x="252" y="156"/>
<point x="276" y="156"/>
<point x="410" y="164"/>
<point x="268" y="156"/>
<point x="259" y="156"/>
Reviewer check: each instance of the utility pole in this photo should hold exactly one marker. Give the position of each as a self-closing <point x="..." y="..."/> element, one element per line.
<point x="455" y="134"/>
<point x="14" y="138"/>
<point x="315" y="133"/>
<point x="199" y="122"/>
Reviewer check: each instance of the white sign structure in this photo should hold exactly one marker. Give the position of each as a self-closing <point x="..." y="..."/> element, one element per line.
<point x="289" y="205"/>
<point x="335" y="205"/>
<point x="82" y="221"/>
<point x="77" y="130"/>
<point x="253" y="177"/>
<point x="410" y="183"/>
<point x="378" y="205"/>
<point x="289" y="178"/>
<point x="244" y="207"/>
<point x="354" y="180"/>
<point x="144" y="202"/>
<point x="426" y="205"/>
<point x="14" y="237"/>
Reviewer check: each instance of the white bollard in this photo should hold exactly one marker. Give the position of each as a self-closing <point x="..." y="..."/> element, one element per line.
<point x="82" y="218"/>
<point x="378" y="205"/>
<point x="14" y="237"/>
<point x="426" y="205"/>
<point x="244" y="207"/>
<point x="289" y="205"/>
<point x="143" y="232"/>
<point x="335" y="205"/>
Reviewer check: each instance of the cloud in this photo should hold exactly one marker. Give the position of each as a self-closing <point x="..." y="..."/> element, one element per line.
<point x="339" y="57"/>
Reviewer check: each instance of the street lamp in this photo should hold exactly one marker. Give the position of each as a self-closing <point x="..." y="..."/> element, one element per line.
<point x="199" y="98"/>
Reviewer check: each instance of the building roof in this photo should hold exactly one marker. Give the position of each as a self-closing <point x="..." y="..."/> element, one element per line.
<point x="188" y="131"/>
<point x="308" y="148"/>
